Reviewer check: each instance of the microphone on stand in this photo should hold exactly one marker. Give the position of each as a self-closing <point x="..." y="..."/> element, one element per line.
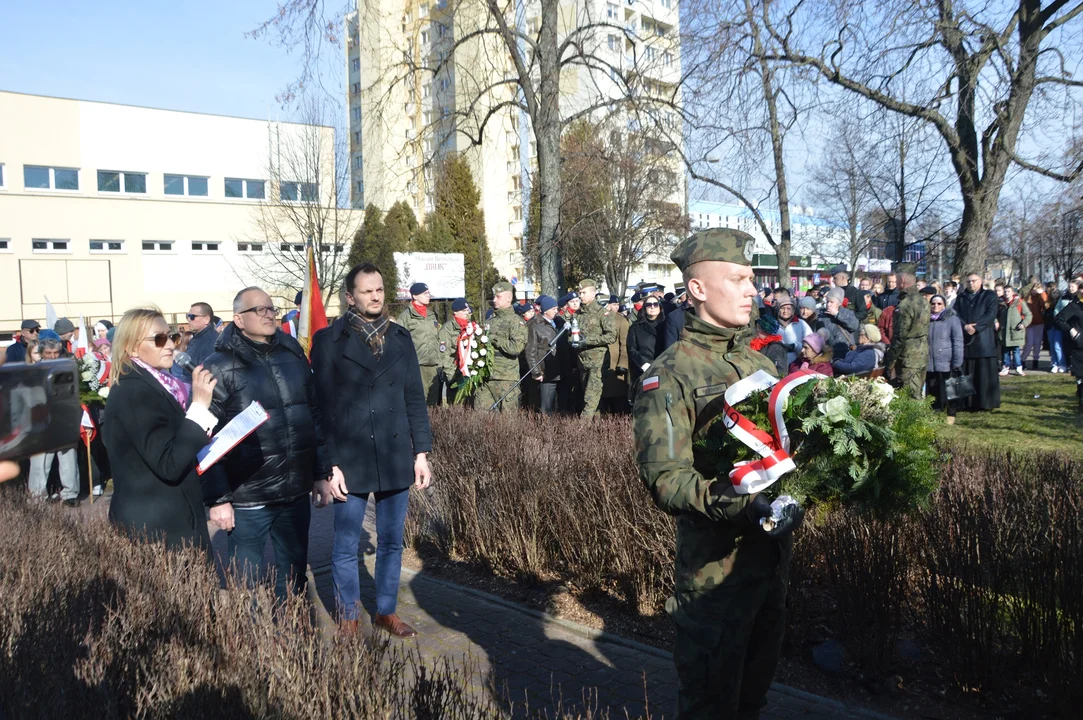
<point x="184" y="360"/>
<point x="564" y="329"/>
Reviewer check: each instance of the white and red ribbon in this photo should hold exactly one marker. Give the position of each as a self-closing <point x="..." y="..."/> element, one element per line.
<point x="755" y="475"/>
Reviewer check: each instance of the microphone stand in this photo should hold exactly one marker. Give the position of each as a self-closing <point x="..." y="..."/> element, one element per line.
<point x="552" y="347"/>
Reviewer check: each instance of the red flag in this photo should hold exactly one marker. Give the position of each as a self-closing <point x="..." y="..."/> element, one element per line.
<point x="87" y="429"/>
<point x="312" y="316"/>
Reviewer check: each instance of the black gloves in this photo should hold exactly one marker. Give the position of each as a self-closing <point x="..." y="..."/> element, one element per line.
<point x="791" y="517"/>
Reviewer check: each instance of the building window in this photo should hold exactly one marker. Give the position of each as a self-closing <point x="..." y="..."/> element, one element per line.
<point x="424" y="37"/>
<point x="360" y="186"/>
<point x="355" y="65"/>
<point x="205" y="247"/>
<point x="157" y="246"/>
<point x="441" y="30"/>
<point x="294" y="191"/>
<point x="355" y="113"/>
<point x="426" y="117"/>
<point x="614" y="43"/>
<point x="106" y="246"/>
<point x="50" y="246"/>
<point x="241" y="188"/>
<point x="5" y="244"/>
<point x="288" y="247"/>
<point x="357" y="137"/>
<point x="667" y="4"/>
<point x="125" y="182"/>
<point x="1" y="175"/>
<point x="39" y="177"/>
<point x="611" y="11"/>
<point x="355" y="88"/>
<point x="426" y="90"/>
<point x="249" y="247"/>
<point x="423" y="10"/>
<point x="667" y="57"/>
<point x="186" y="185"/>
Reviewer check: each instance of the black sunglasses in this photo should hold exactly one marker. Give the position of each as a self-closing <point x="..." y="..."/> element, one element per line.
<point x="651" y="305"/>
<point x="159" y="339"/>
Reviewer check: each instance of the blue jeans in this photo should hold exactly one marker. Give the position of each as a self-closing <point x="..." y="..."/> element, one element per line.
<point x="1056" y="347"/>
<point x="1010" y="354"/>
<point x="287" y="524"/>
<point x="390" y="519"/>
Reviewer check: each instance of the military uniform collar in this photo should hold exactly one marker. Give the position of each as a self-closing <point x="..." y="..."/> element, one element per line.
<point x="710" y="336"/>
<point x="503" y="311"/>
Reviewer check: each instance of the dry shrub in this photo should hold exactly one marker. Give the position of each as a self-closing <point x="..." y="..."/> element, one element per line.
<point x="92" y="625"/>
<point x="546" y="498"/>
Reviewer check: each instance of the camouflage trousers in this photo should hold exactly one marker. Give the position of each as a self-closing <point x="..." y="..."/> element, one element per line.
<point x="592" y="390"/>
<point x="729" y="677"/>
<point x="912" y="379"/>
<point x="433" y="386"/>
<point x="491" y="391"/>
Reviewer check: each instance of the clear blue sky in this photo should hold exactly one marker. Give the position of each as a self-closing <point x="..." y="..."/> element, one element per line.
<point x="189" y="55"/>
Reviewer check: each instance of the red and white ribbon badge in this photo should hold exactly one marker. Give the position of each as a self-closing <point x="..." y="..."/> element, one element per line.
<point x="752" y="476"/>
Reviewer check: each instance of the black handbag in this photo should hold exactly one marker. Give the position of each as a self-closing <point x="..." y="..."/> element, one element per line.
<point x="959" y="387"/>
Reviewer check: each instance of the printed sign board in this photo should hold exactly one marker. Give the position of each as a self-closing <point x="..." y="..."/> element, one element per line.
<point x="444" y="273"/>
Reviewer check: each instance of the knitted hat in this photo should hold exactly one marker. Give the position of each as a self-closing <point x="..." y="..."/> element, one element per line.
<point x="836" y="294"/>
<point x="814" y="341"/>
<point x="808" y="302"/>
<point x="768" y="323"/>
<point x="546" y="303"/>
<point x="872" y="333"/>
<point x="48" y="334"/>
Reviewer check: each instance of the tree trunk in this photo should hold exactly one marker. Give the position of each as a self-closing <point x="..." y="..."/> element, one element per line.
<point x="547" y="134"/>
<point x="972" y="246"/>
<point x="782" y="249"/>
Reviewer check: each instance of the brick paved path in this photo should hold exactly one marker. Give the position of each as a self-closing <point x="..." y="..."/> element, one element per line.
<point x="528" y="655"/>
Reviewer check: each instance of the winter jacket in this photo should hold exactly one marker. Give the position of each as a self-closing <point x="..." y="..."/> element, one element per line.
<point x="615" y="382"/>
<point x="285" y="455"/>
<point x="1037" y="304"/>
<point x="201" y="347"/>
<point x="886" y="299"/>
<point x="978" y="309"/>
<point x="855" y="302"/>
<point x="447" y="342"/>
<point x="673" y="326"/>
<point x="886" y="323"/>
<point x="793" y="335"/>
<point x="644" y="343"/>
<point x="824" y="368"/>
<point x="1018" y="316"/>
<point x="945" y="343"/>
<point x="539" y="333"/>
<point x="862" y="359"/>
<point x="775" y="352"/>
<point x="841" y="330"/>
<point x="423" y="331"/>
<point x="1068" y="319"/>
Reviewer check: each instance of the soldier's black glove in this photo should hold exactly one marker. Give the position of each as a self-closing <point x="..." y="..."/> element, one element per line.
<point x="791" y="517"/>
<point x="622" y="372"/>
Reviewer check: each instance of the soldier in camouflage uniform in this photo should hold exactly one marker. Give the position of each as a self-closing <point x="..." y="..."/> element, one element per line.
<point x="909" y="351"/>
<point x="507" y="339"/>
<point x="731" y="575"/>
<point x="448" y="339"/>
<point x="420" y="320"/>
<point x="598" y="331"/>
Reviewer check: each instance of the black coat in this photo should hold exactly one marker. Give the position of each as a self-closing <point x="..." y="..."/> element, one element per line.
<point x="855" y="302"/>
<point x="979" y="309"/>
<point x="886" y="299"/>
<point x="673" y="326"/>
<point x="285" y="455"/>
<point x="373" y="411"/>
<point x="644" y="342"/>
<point x="152" y="450"/>
<point x="201" y="347"/>
<point x="1068" y="319"/>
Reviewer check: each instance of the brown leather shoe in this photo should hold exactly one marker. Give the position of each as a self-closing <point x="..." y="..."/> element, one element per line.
<point x="393" y="625"/>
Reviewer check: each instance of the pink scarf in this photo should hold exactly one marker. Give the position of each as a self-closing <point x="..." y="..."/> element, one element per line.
<point x="177" y="388"/>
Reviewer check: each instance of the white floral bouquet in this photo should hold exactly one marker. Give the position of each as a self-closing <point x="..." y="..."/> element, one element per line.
<point x="829" y="441"/>
<point x="472" y="358"/>
<point x="93" y="379"/>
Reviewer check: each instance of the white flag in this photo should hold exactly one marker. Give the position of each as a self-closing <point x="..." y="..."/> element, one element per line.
<point x="50" y="314"/>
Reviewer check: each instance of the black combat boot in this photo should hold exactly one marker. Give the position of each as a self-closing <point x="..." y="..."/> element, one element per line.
<point x="1034" y="365"/>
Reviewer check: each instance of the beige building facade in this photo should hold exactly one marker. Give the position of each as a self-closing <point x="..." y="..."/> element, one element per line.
<point x="105" y="207"/>
<point x="416" y="93"/>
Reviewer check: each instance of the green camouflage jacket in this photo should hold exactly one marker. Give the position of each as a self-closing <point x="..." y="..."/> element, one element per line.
<point x="598" y="331"/>
<point x="679" y="397"/>
<point x="423" y="333"/>
<point x="910" y="333"/>
<point x="447" y="342"/>
<point x="507" y="338"/>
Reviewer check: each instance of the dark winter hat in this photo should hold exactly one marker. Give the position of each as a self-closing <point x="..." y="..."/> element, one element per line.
<point x="669" y="297"/>
<point x="63" y="325"/>
<point x="30" y="325"/>
<point x="546" y="303"/>
<point x="839" y="269"/>
<point x="48" y="334"/>
<point x="768" y="323"/>
<point x="636" y="297"/>
<point x="566" y="298"/>
<point x="109" y="335"/>
<point x="523" y="309"/>
<point x="928" y="290"/>
<point x="459" y="304"/>
<point x="724" y="244"/>
<point x="418" y="288"/>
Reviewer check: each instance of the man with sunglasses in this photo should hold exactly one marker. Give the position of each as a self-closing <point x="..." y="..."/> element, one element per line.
<point x="200" y="321"/>
<point x="269" y="475"/>
<point x="16" y="351"/>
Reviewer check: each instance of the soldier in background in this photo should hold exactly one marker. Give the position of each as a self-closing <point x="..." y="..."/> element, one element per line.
<point x="908" y="355"/>
<point x="615" y="382"/>
<point x="597" y="330"/>
<point x="729" y="601"/>
<point x="423" y="326"/>
<point x="507" y="340"/>
<point x="448" y="340"/>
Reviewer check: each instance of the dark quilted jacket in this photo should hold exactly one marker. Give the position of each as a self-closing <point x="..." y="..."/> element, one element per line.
<point x="283" y="457"/>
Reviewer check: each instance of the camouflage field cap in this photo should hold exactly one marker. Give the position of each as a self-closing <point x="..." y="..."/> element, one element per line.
<point x="503" y="286"/>
<point x="587" y="283"/>
<point x="906" y="268"/>
<point x="724" y="244"/>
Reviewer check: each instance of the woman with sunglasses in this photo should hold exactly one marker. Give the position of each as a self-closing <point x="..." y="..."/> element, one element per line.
<point x="945" y="354"/>
<point x="644" y="340"/>
<point x="157" y="424"/>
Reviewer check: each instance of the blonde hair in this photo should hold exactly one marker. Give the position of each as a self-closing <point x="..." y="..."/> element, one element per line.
<point x="131" y="330"/>
<point x="31" y="346"/>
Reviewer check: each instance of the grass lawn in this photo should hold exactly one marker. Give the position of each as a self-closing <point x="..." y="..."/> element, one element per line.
<point x="1037" y="412"/>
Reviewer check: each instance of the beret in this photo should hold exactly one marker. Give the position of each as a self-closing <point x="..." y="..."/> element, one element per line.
<point x="459" y="304"/>
<point x="587" y="283"/>
<point x="418" y="288"/>
<point x="503" y="286"/>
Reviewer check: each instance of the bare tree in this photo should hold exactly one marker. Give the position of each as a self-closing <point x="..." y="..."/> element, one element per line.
<point x="301" y="208"/>
<point x="506" y="59"/>
<point x="621" y="193"/>
<point x="968" y="71"/>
